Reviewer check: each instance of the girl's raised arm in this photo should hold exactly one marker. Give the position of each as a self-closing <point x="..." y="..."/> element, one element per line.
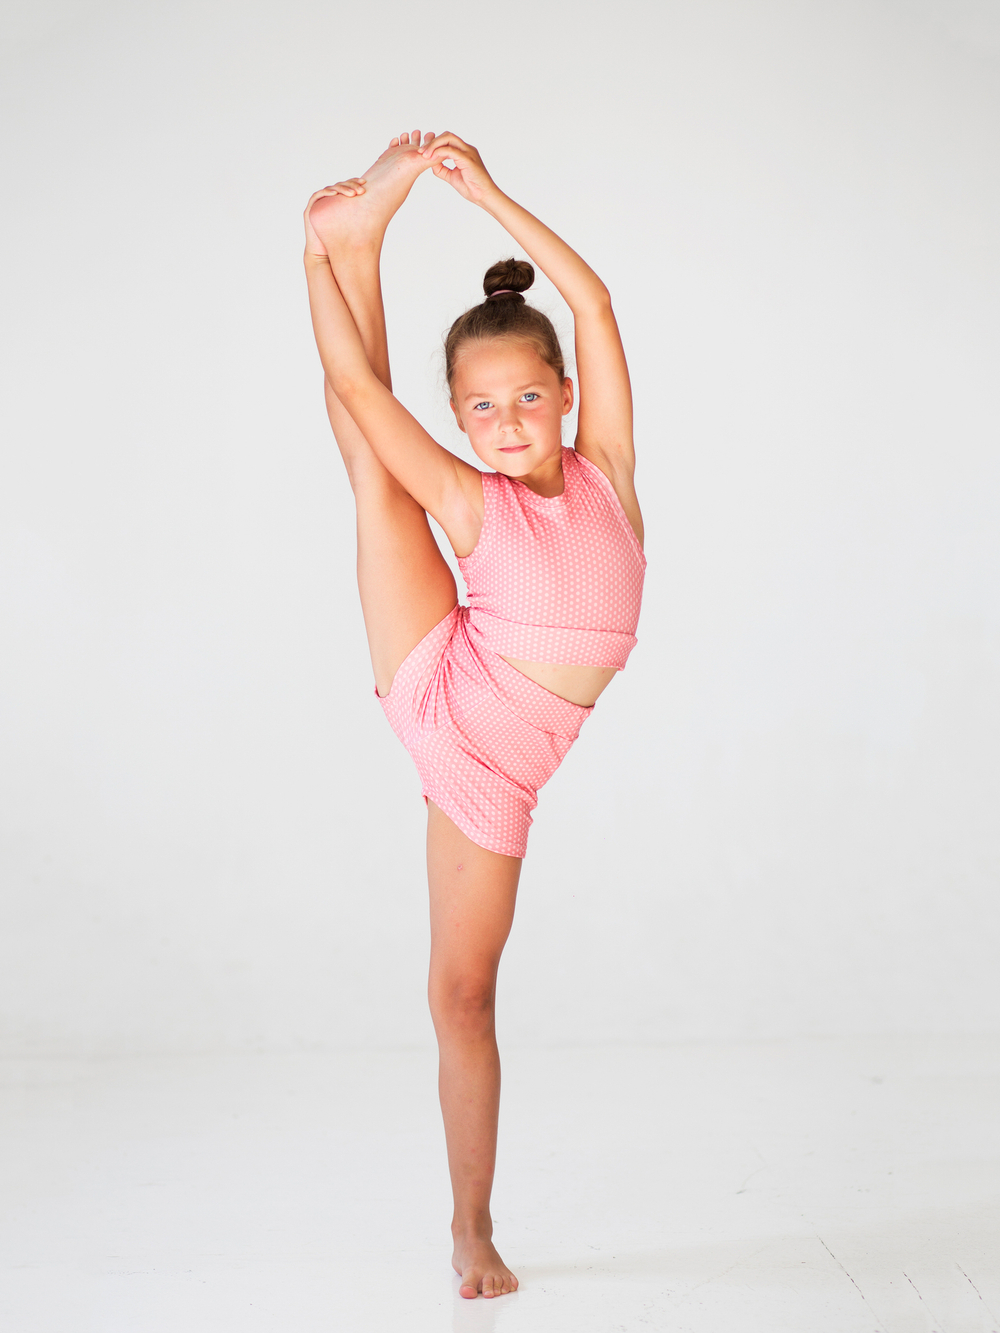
<point x="605" y="422"/>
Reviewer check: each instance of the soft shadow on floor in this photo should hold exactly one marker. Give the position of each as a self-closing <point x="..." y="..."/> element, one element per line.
<point x="936" y="1266"/>
<point x="814" y="1186"/>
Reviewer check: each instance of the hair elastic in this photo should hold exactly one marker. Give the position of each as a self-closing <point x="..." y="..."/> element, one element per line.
<point x="503" y="291"/>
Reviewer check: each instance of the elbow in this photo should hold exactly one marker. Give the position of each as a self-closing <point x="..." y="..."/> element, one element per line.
<point x="345" y="382"/>
<point x="341" y="383"/>
<point x="598" y="299"/>
<point x="351" y="386"/>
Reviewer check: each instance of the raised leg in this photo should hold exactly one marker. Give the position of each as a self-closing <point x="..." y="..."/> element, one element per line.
<point x="406" y="589"/>
<point x="472" y="894"/>
<point x="405" y="584"/>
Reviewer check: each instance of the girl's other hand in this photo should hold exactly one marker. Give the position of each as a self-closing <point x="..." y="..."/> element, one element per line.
<point x="468" y="176"/>
<point x="350" y="188"/>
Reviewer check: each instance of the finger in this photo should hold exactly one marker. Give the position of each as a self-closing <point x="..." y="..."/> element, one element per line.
<point x="356" y="184"/>
<point x="461" y="162"/>
<point x="467" y="156"/>
<point x="446" y="151"/>
<point x="447" y="138"/>
<point x="327" y="190"/>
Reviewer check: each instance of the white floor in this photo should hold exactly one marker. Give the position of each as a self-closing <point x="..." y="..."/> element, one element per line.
<point x="803" y="1186"/>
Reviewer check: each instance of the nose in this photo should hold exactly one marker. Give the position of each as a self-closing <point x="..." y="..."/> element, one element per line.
<point x="508" y="420"/>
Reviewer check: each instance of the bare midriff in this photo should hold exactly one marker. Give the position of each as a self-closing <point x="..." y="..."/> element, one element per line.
<point x="579" y="684"/>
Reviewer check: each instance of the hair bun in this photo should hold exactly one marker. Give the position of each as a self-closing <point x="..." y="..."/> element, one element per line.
<point x="516" y="275"/>
<point x="507" y="315"/>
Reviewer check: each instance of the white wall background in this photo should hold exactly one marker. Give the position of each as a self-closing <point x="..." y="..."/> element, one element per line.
<point x="783" y="819"/>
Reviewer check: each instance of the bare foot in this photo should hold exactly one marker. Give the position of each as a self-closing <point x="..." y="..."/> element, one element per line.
<point x="361" y="219"/>
<point x="482" y="1269"/>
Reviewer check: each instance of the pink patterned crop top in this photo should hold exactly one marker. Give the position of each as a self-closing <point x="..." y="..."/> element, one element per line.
<point x="555" y="578"/>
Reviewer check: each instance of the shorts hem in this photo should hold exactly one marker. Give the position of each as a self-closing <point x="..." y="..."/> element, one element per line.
<point x="455" y="814"/>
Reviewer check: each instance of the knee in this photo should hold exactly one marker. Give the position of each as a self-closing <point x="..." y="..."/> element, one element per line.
<point x="462" y="1006"/>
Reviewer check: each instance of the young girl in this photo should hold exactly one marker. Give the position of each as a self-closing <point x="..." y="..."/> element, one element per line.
<point x="486" y="697"/>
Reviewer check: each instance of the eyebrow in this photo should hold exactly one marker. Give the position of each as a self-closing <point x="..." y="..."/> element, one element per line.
<point x="535" y="384"/>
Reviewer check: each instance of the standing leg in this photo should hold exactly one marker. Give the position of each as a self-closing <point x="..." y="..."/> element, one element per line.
<point x="472" y="906"/>
<point x="405" y="584"/>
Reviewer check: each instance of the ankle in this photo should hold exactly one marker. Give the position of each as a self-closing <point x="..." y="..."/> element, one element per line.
<point x="363" y="252"/>
<point x="476" y="1226"/>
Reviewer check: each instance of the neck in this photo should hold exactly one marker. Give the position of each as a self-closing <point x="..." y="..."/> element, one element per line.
<point x="546" y="479"/>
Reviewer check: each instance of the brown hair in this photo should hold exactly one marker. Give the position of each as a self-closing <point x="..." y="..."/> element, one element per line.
<point x="506" y="315"/>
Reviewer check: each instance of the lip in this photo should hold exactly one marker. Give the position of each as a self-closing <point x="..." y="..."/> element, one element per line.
<point x="513" y="449"/>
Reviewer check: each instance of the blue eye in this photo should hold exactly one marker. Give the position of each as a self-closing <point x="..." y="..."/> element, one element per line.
<point x="482" y="404"/>
<point x="528" y="397"/>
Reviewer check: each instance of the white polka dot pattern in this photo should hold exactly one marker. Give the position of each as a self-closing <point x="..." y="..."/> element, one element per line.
<point x="483" y="736"/>
<point x="552" y="579"/>
<point x="556" y="578"/>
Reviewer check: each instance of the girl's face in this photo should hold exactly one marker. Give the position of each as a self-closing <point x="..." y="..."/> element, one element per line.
<point x="511" y="404"/>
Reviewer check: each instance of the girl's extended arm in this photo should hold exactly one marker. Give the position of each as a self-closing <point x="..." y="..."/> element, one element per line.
<point x="605" y="421"/>
<point x="445" y="485"/>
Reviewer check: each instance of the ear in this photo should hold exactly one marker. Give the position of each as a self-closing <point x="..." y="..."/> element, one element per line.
<point x="567" y="395"/>
<point x="451" y="404"/>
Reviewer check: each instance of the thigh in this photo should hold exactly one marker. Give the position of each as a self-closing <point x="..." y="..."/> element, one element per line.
<point x="405" y="584"/>
<point x="472" y="897"/>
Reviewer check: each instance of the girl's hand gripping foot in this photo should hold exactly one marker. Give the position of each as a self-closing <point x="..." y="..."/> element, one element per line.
<point x="349" y="189"/>
<point x="356" y="212"/>
<point x="468" y="176"/>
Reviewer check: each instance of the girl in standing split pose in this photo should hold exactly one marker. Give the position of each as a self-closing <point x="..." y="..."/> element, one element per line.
<point x="487" y="697"/>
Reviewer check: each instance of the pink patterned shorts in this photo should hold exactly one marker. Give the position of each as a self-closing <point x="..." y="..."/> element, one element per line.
<point x="483" y="736"/>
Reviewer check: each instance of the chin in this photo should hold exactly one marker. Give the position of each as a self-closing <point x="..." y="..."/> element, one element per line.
<point x="529" y="460"/>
